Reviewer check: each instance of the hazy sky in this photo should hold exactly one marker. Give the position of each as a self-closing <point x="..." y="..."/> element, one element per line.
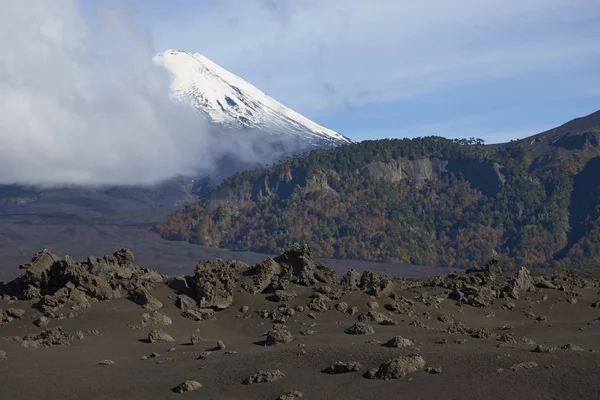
<point x="394" y="68"/>
<point x="82" y="102"/>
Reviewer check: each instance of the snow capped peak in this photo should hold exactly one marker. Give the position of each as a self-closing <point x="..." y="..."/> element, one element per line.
<point x="228" y="99"/>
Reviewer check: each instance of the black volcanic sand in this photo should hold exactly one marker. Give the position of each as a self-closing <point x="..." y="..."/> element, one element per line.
<point x="475" y="369"/>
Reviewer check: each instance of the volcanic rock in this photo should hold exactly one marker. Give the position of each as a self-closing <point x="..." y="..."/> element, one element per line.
<point x="397" y="368"/>
<point x="263" y="377"/>
<point x="341" y="367"/>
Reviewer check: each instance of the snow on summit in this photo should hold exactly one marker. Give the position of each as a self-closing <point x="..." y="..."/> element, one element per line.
<point x="228" y="99"/>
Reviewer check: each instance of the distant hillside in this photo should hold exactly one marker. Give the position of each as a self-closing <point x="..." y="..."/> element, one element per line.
<point x="424" y="201"/>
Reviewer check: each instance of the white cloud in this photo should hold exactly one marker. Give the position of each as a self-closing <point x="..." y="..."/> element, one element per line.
<point x="314" y="55"/>
<point x="73" y="111"/>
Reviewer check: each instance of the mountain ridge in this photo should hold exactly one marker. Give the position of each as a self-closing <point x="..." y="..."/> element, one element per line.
<point x="425" y="201"/>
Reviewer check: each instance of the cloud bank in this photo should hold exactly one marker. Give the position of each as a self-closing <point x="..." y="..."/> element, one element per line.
<point x="82" y="102"/>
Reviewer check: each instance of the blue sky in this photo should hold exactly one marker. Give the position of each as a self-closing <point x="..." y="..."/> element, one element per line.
<point x="392" y="68"/>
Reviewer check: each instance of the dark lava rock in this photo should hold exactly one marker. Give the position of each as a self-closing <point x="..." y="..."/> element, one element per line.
<point x="278" y="336"/>
<point x="145" y="299"/>
<point x="377" y="285"/>
<point x="295" y="395"/>
<point x="187" y="386"/>
<point x="521" y="284"/>
<point x="215" y="283"/>
<point x="189" y="309"/>
<point x="158" y="335"/>
<point x="341" y="367"/>
<point x="306" y="269"/>
<point x="49" y="337"/>
<point x="399" y="341"/>
<point x="263" y="377"/>
<point x="360" y="328"/>
<point x="351" y="280"/>
<point x="397" y="368"/>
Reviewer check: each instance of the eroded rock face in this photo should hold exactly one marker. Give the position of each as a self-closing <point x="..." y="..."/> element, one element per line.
<point x="305" y="268"/>
<point x="189" y="309"/>
<point x="521" y="284"/>
<point x="53" y="282"/>
<point x="215" y="283"/>
<point x="397" y="368"/>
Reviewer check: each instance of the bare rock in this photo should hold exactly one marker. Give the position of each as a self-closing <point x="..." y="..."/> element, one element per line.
<point x="49" y="337"/>
<point x="307" y="269"/>
<point x="295" y="395"/>
<point x="187" y="386"/>
<point x="342" y="307"/>
<point x="189" y="309"/>
<point x="320" y="303"/>
<point x="215" y="283"/>
<point x="399" y="341"/>
<point x="263" y="377"/>
<point x="342" y="367"/>
<point x="278" y="336"/>
<point x="106" y="362"/>
<point x="42" y="321"/>
<point x="145" y="299"/>
<point x="221" y="345"/>
<point x="351" y="280"/>
<point x="360" y="328"/>
<point x="377" y="285"/>
<point x="282" y="295"/>
<point x="521" y="284"/>
<point x="16" y="313"/>
<point x="3" y="355"/>
<point x="155" y="318"/>
<point x="397" y="368"/>
<point x="433" y="370"/>
<point x="373" y="316"/>
<point x="158" y="335"/>
<point x="524" y="365"/>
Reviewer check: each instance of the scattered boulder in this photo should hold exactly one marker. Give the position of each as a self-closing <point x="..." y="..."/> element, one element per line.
<point x="342" y="307"/>
<point x="215" y="283"/>
<point x="142" y="297"/>
<point x="42" y="321"/>
<point x="295" y="395"/>
<point x="521" y="284"/>
<point x="360" y="328"/>
<point x="377" y="285"/>
<point x="397" y="368"/>
<point x="16" y="313"/>
<point x="155" y="318"/>
<point x="3" y="355"/>
<point x="50" y="337"/>
<point x="341" y="367"/>
<point x="221" y="345"/>
<point x="399" y="341"/>
<point x="187" y="386"/>
<point x="189" y="309"/>
<point x="106" y="362"/>
<point x="305" y="269"/>
<point x="524" y="365"/>
<point x="282" y="295"/>
<point x="158" y="335"/>
<point x="433" y="370"/>
<point x="319" y="303"/>
<point x="373" y="316"/>
<point x="351" y="280"/>
<point x="278" y="336"/>
<point x="263" y="377"/>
